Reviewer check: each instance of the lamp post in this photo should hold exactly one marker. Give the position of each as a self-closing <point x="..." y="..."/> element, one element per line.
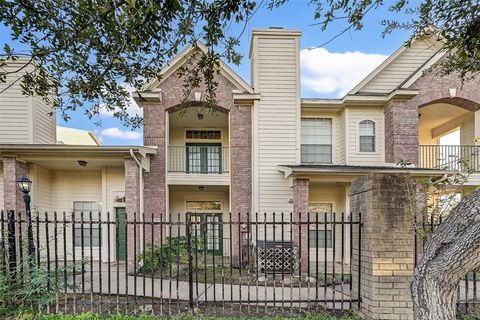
<point x="25" y="185"/>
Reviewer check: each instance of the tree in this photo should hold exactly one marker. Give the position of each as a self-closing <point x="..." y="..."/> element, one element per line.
<point x="85" y="54"/>
<point x="88" y="54"/>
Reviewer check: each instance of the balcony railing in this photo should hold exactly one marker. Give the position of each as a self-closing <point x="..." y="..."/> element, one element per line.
<point x="449" y="157"/>
<point x="198" y="159"/>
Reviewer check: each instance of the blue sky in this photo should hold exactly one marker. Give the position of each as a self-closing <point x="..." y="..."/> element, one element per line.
<point x="327" y="72"/>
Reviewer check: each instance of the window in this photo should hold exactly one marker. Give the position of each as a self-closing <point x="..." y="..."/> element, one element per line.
<point x="316" y="140"/>
<point x="204" y="134"/>
<point x="204" y="205"/>
<point x="82" y="210"/>
<point x="119" y="197"/>
<point x="321" y="236"/>
<point x="367" y="136"/>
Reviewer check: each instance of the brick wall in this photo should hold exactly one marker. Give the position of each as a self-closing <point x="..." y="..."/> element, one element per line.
<point x="155" y="190"/>
<point x="300" y="214"/>
<point x="132" y="207"/>
<point x="13" y="197"/>
<point x="401" y="117"/>
<point x="387" y="255"/>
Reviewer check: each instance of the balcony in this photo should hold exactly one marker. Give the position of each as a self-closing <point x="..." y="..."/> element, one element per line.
<point x="449" y="157"/>
<point x="198" y="165"/>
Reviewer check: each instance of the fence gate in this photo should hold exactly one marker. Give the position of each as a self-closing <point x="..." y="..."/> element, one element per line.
<point x="267" y="264"/>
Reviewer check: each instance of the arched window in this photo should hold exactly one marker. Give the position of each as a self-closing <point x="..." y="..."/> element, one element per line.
<point x="367" y="136"/>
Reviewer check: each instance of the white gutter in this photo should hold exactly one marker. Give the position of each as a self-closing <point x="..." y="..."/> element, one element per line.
<point x="140" y="178"/>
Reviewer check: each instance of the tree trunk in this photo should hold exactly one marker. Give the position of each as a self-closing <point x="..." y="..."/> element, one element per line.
<point x="450" y="252"/>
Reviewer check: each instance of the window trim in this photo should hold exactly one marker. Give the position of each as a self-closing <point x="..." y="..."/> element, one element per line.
<point x="333" y="136"/>
<point x="375" y="140"/>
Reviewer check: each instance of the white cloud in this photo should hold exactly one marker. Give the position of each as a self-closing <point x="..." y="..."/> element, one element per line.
<point x="120" y="134"/>
<point x="335" y="73"/>
<point x="132" y="108"/>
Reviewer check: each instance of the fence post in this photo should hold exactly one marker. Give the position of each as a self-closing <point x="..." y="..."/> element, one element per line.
<point x="190" y="266"/>
<point x="12" y="254"/>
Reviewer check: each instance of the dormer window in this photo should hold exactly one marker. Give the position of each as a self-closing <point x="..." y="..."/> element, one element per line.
<point x="367" y="136"/>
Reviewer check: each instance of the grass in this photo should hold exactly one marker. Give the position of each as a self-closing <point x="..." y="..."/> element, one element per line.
<point x="93" y="316"/>
<point x="224" y="274"/>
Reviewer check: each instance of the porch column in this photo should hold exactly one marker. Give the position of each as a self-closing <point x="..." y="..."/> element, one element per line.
<point x="300" y="214"/>
<point x="241" y="178"/>
<point x="154" y="135"/>
<point x="12" y="196"/>
<point x="401" y="132"/>
<point x="387" y="247"/>
<point x="132" y="207"/>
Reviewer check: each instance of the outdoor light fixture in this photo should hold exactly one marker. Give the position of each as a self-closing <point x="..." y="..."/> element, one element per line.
<point x="200" y="116"/>
<point x="82" y="163"/>
<point x="25" y="185"/>
<point x="201" y="188"/>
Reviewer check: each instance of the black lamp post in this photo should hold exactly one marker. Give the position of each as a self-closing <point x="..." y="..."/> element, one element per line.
<point x="25" y="185"/>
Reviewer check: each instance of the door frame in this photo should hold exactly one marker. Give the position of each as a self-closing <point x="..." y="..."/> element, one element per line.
<point x="203" y="228"/>
<point x="203" y="156"/>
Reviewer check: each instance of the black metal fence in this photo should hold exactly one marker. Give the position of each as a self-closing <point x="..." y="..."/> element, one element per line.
<point x="468" y="293"/>
<point x="212" y="263"/>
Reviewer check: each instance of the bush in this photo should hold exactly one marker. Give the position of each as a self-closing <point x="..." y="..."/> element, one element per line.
<point x="163" y="256"/>
<point x="30" y="286"/>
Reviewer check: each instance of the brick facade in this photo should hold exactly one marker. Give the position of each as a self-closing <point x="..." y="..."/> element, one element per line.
<point x="173" y="99"/>
<point x="387" y="253"/>
<point x="300" y="214"/>
<point x="12" y="196"/>
<point x="132" y="207"/>
<point x="401" y="117"/>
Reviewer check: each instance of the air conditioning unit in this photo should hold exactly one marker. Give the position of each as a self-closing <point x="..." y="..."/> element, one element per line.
<point x="277" y="257"/>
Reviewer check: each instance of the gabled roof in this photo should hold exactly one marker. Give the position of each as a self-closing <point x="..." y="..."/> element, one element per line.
<point x="72" y="136"/>
<point x="184" y="55"/>
<point x="407" y="62"/>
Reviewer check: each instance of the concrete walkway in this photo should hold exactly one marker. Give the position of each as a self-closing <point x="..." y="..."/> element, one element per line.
<point x="173" y="290"/>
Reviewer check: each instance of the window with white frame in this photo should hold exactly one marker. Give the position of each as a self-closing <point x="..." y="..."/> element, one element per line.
<point x="367" y="136"/>
<point x="316" y="141"/>
<point x="87" y="233"/>
<point x="320" y="234"/>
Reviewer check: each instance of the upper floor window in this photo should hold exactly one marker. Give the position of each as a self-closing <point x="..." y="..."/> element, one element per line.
<point x="367" y="136"/>
<point x="204" y="134"/>
<point x="316" y="145"/>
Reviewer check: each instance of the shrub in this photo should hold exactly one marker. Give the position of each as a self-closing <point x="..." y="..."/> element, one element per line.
<point x="163" y="256"/>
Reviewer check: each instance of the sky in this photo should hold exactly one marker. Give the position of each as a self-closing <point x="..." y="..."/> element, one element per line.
<point x="326" y="72"/>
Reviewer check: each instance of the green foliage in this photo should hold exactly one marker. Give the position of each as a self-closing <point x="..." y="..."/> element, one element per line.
<point x="92" y="316"/>
<point x="91" y="54"/>
<point x="173" y="249"/>
<point x="30" y="286"/>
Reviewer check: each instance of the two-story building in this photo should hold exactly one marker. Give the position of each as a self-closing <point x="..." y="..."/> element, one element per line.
<point x="260" y="148"/>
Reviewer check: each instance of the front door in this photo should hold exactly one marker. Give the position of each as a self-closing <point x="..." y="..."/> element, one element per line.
<point x="207" y="228"/>
<point x="121" y="234"/>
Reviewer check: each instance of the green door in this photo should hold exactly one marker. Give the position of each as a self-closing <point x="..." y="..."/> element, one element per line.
<point x="122" y="234"/>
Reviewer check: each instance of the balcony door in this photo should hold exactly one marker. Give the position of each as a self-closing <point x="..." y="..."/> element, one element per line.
<point x="204" y="157"/>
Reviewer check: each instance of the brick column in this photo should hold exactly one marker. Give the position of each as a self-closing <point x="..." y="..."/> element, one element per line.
<point x="132" y="207"/>
<point x="387" y="245"/>
<point x="240" y="176"/>
<point x="300" y="214"/>
<point x="12" y="196"/>
<point x="401" y="132"/>
<point x="154" y="181"/>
